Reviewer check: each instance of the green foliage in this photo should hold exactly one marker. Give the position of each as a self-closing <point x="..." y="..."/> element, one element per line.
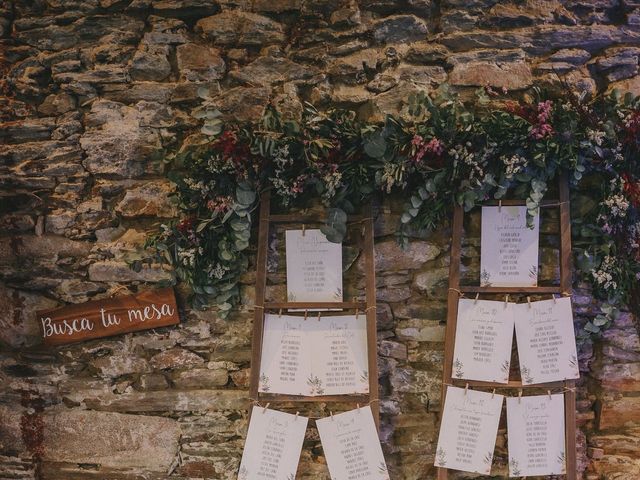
<point x="446" y="153"/>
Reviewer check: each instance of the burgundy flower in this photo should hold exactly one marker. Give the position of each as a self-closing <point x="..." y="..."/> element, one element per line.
<point x="185" y="225"/>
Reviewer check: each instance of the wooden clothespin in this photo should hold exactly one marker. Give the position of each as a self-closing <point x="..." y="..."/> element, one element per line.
<point x="303" y="229"/>
<point x="264" y="410"/>
<point x="319" y="313"/>
<point x="520" y="396"/>
<point x="506" y="300"/>
<point x="306" y="313"/>
<point x="331" y="413"/>
<point x="555" y="300"/>
<point x="477" y="296"/>
<point x="493" y="394"/>
<point x="358" y="407"/>
<point x="499" y="205"/>
<point x="549" y="392"/>
<point x="466" y="389"/>
<point x="279" y="313"/>
<point x="297" y="413"/>
<point x="529" y="301"/>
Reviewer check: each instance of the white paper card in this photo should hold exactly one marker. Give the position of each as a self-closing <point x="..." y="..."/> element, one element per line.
<point x="352" y="447"/>
<point x="314" y="267"/>
<point x="314" y="357"/>
<point x="509" y="248"/>
<point x="273" y="446"/>
<point x="484" y="336"/>
<point x="468" y="430"/>
<point x="285" y="363"/>
<point x="536" y="435"/>
<point x="546" y="341"/>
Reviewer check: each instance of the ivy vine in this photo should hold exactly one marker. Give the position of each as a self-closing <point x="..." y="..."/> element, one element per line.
<point x="448" y="152"/>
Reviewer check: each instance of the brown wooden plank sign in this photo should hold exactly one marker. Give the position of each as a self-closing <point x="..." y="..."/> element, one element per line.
<point x="111" y="316"/>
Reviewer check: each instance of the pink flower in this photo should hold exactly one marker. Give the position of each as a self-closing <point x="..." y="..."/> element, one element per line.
<point x="298" y="184"/>
<point x="435" y="147"/>
<point x="543" y="128"/>
<point x="541" y="131"/>
<point x="220" y="204"/>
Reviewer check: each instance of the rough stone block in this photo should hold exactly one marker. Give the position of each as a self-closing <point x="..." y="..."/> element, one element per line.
<point x="241" y="29"/>
<point x="107" y="439"/>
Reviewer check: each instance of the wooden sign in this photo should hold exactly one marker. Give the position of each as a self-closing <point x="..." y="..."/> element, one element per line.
<point x="111" y="316"/>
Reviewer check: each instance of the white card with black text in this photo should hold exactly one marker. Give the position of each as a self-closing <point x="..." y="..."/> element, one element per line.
<point x="546" y="341"/>
<point x="468" y="430"/>
<point x="314" y="267"/>
<point x="351" y="446"/>
<point x="535" y="427"/>
<point x="273" y="445"/>
<point x="318" y="356"/>
<point x="509" y="247"/>
<point x="484" y="335"/>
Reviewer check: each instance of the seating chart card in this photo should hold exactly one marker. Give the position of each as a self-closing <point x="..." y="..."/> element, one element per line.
<point x="536" y="435"/>
<point x="352" y="447"/>
<point x="273" y="446"/>
<point x="314" y="267"/>
<point x="484" y="336"/>
<point x="314" y="357"/>
<point x="546" y="341"/>
<point x="468" y="430"/>
<point x="509" y="248"/>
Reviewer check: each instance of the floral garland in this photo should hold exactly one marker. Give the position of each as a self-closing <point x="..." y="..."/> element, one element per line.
<point x="447" y="153"/>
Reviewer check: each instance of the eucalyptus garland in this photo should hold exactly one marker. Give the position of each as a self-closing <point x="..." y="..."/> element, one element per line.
<point x="448" y="152"/>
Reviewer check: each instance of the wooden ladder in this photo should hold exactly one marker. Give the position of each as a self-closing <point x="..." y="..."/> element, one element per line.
<point x="565" y="287"/>
<point x="368" y="307"/>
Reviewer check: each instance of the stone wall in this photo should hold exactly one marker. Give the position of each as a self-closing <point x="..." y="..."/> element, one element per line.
<point x="93" y="93"/>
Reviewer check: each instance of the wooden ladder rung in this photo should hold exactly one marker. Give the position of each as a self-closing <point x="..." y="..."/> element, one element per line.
<point x="531" y="290"/>
<point x="317" y="219"/>
<point x="510" y="384"/>
<point x="520" y="203"/>
<point x="310" y="305"/>
<point x="353" y="398"/>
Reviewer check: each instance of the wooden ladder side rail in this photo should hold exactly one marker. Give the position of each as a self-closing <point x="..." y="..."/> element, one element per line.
<point x="452" y="312"/>
<point x="564" y="287"/>
<point x="261" y="286"/>
<point x="566" y="282"/>
<point x="368" y="307"/>
<point x="371" y="313"/>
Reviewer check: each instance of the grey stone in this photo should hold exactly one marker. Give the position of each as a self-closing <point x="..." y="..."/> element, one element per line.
<point x="202" y="378"/>
<point x="175" y="358"/>
<point x="270" y="70"/>
<point x="400" y="29"/>
<point x="241" y="28"/>
<point x="499" y="69"/>
<point x="150" y="199"/>
<point x="19" y="325"/>
<point x="170" y="401"/>
<point x="241" y="104"/>
<point x="107" y="439"/>
<point x="543" y="39"/>
<point x="150" y="64"/>
<point x="389" y="255"/>
<point x="199" y="63"/>
<point x="185" y="9"/>
<point x="116" y="271"/>
<point x="574" y="56"/>
<point x="57" y="104"/>
<point x="113" y="366"/>
<point x="115" y="142"/>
